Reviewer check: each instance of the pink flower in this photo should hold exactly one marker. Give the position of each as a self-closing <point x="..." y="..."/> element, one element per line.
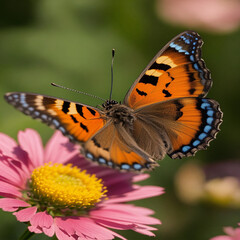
<point x="32" y="184"/>
<point x="232" y="234"/>
<point x="213" y="15"/>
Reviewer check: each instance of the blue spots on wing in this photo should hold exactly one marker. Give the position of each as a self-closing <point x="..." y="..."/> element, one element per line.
<point x="195" y="65"/>
<point x="56" y="123"/>
<point x="90" y="156"/>
<point x="36" y="114"/>
<point x="210" y="120"/>
<point x="186" y="148"/>
<point x="187" y="43"/>
<point x="205" y="128"/>
<point x="192" y="58"/>
<point x="22" y="100"/>
<point x="110" y="163"/>
<point x="202" y="136"/>
<point x="44" y="117"/>
<point x="178" y="48"/>
<point x="124" y="166"/>
<point x="210" y="113"/>
<point x="102" y="160"/>
<point x="137" y="166"/>
<point x="205" y="105"/>
<point x="62" y="129"/>
<point x="196" y="143"/>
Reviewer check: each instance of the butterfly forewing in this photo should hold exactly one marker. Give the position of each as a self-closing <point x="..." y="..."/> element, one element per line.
<point x="77" y="121"/>
<point x="176" y="71"/>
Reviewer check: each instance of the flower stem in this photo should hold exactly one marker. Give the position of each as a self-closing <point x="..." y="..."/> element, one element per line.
<point x="26" y="235"/>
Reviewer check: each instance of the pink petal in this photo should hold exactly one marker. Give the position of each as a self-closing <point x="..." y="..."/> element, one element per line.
<point x="35" y="229"/>
<point x="83" y="226"/>
<point x="140" y="177"/>
<point x="139" y="193"/>
<point x="145" y="230"/>
<point x="141" y="226"/>
<point x="87" y="226"/>
<point x="31" y="142"/>
<point x="115" y="225"/>
<point x="116" y="177"/>
<point x="11" y="204"/>
<point x="42" y="221"/>
<point x="119" y="216"/>
<point x="222" y="237"/>
<point x="9" y="148"/>
<point x="128" y="208"/>
<point x="49" y="231"/>
<point x="8" y="190"/>
<point x="59" y="149"/>
<point x="62" y="235"/>
<point x="7" y="145"/>
<point x="116" y="235"/>
<point x="234" y="232"/>
<point x="10" y="171"/>
<point x="26" y="214"/>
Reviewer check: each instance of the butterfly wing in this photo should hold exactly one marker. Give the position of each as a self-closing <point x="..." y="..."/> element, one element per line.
<point x="176" y="71"/>
<point x="77" y="121"/>
<point x="113" y="146"/>
<point x="187" y="125"/>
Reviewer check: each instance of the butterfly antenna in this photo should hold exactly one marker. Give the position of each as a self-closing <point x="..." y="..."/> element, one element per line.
<point x="74" y="90"/>
<point x="113" y="54"/>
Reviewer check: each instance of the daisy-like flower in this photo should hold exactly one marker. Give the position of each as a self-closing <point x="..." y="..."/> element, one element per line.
<point x="56" y="191"/>
<point x="217" y="183"/>
<point x="232" y="234"/>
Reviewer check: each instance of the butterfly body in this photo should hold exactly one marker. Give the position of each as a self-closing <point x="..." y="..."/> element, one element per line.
<point x="164" y="112"/>
<point x="119" y="114"/>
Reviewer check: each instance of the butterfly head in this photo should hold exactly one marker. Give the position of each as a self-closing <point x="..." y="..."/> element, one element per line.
<point x="118" y="113"/>
<point x="108" y="104"/>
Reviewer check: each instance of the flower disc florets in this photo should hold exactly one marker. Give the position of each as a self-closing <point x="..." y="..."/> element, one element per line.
<point x="65" y="187"/>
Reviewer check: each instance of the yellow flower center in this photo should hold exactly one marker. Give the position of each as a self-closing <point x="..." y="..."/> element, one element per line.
<point x="65" y="187"/>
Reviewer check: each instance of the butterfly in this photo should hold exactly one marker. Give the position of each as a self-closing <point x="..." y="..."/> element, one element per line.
<point x="165" y="112"/>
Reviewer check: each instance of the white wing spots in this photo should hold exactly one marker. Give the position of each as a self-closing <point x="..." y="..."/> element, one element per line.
<point x="51" y="112"/>
<point x="153" y="72"/>
<point x="166" y="60"/>
<point x="59" y="104"/>
<point x="39" y="103"/>
<point x="72" y="109"/>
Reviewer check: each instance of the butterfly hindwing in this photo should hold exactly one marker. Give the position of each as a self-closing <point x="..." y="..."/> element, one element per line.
<point x="114" y="147"/>
<point x="77" y="121"/>
<point x="190" y="123"/>
<point x="201" y="114"/>
<point x="176" y="71"/>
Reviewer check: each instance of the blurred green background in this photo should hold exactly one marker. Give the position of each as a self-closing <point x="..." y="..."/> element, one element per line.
<point x="70" y="43"/>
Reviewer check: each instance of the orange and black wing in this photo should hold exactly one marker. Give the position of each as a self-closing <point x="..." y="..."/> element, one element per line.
<point x="76" y="121"/>
<point x="112" y="146"/>
<point x="189" y="123"/>
<point x="176" y="71"/>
